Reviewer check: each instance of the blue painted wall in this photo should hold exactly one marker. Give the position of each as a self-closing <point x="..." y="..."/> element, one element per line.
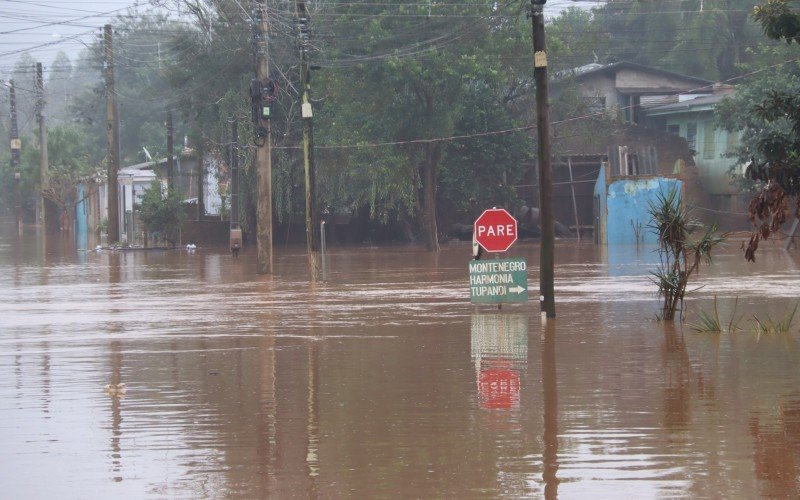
<point x="600" y="204"/>
<point x="627" y="203"/>
<point x="81" y="220"/>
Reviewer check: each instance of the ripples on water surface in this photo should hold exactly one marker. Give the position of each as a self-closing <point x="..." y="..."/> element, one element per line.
<point x="385" y="381"/>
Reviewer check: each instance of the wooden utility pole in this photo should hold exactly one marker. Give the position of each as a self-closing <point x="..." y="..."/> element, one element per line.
<point x="234" y="175"/>
<point x="312" y="216"/>
<point x="47" y="213"/>
<point x="546" y="253"/>
<point x="263" y="148"/>
<point x="170" y="151"/>
<point x="16" y="146"/>
<point x="112" y="139"/>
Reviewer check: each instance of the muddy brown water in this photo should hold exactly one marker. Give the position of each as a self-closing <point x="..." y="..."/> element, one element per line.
<point x="384" y="381"/>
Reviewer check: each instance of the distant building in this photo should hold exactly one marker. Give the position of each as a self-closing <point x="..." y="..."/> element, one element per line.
<point x="132" y="182"/>
<point x="626" y="88"/>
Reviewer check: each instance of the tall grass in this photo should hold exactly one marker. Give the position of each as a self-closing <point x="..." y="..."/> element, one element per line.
<point x="711" y="323"/>
<point x="769" y="326"/>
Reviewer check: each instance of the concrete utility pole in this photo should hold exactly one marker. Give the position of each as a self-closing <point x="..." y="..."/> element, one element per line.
<point x="546" y="273"/>
<point x="112" y="139"/>
<point x="16" y="146"/>
<point x="46" y="213"/>
<point x="263" y="147"/>
<point x="312" y="216"/>
<point x="170" y="151"/>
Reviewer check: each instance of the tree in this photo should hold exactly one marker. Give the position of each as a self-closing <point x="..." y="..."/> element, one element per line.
<point x="69" y="164"/>
<point x="162" y="215"/>
<point x="681" y="256"/>
<point x="413" y="78"/>
<point x="773" y="128"/>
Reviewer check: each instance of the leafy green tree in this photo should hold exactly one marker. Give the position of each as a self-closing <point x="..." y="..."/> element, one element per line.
<point x="411" y="79"/>
<point x="162" y="215"/>
<point x="772" y="129"/>
<point x="69" y="164"/>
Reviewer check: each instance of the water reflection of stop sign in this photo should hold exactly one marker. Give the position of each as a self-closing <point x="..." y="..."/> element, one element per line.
<point x="498" y="388"/>
<point x="495" y="230"/>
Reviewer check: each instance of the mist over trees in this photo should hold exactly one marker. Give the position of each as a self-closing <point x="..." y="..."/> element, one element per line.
<point x="423" y="112"/>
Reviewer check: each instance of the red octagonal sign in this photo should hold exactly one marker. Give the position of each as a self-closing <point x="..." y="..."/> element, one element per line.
<point x="495" y="230"/>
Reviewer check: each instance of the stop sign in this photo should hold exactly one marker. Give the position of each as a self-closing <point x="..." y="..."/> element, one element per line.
<point x="495" y="230"/>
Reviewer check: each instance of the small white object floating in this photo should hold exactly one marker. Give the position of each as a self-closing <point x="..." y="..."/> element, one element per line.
<point x="191" y="246"/>
<point x="98" y="248"/>
<point x="116" y="390"/>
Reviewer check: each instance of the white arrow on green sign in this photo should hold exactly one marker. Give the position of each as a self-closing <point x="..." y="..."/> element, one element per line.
<point x="498" y="281"/>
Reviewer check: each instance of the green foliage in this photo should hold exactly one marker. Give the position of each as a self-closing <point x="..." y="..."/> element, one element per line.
<point x="679" y="36"/>
<point x="162" y="215"/>
<point x="770" y="326"/>
<point x="680" y="255"/>
<point x="768" y="110"/>
<point x="710" y="322"/>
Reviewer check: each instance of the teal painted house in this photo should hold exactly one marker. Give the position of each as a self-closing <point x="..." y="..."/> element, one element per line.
<point x="693" y="119"/>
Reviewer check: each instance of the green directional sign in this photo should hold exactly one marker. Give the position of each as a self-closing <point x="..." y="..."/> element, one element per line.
<point x="498" y="281"/>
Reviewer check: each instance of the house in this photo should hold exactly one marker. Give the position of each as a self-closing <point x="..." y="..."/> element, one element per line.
<point x="201" y="192"/>
<point x="693" y="119"/>
<point x="133" y="181"/>
<point x="626" y="88"/>
<point x="593" y="150"/>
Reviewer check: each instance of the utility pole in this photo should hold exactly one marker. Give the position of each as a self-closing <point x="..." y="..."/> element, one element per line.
<point x="170" y="148"/>
<point x="112" y="139"/>
<point x="234" y="175"/>
<point x="45" y="211"/>
<point x="235" y="240"/>
<point x="547" y="250"/>
<point x="16" y="146"/>
<point x="312" y="216"/>
<point x="263" y="142"/>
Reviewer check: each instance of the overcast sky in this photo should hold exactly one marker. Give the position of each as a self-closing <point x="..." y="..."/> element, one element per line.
<point x="43" y="27"/>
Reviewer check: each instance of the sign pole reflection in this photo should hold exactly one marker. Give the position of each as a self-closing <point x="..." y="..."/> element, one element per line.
<point x="550" y="389"/>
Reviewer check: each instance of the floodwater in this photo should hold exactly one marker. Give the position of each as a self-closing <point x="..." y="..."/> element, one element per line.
<point x="384" y="381"/>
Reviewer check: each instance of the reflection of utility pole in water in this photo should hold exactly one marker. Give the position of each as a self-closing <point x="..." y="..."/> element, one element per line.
<point x="550" y="388"/>
<point x="116" y="409"/>
<point x="267" y="443"/>
<point x="312" y="454"/>
<point x="45" y="351"/>
<point x="114" y="389"/>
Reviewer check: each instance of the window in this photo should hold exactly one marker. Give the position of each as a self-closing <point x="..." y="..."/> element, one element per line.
<point x="709" y="141"/>
<point x="674" y="129"/>
<point x="691" y="136"/>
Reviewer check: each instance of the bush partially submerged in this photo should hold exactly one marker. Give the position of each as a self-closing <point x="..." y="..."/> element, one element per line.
<point x="680" y="255"/>
<point x="162" y="215"/>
